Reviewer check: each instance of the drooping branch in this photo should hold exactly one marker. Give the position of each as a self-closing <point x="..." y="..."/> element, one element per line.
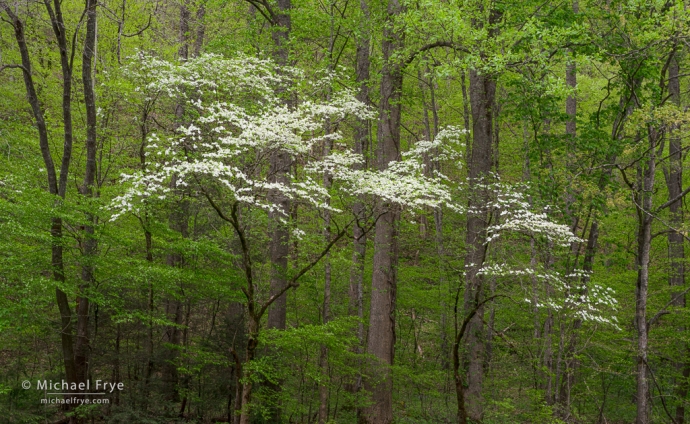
<point x="434" y="45"/>
<point x="12" y="66"/>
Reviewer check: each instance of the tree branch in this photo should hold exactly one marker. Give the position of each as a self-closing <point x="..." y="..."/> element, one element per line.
<point x="13" y="66"/>
<point x="433" y="46"/>
<point x="293" y="281"/>
<point x="663" y="310"/>
<point x="674" y="200"/>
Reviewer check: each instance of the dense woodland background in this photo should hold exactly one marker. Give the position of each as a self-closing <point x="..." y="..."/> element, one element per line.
<point x="533" y="121"/>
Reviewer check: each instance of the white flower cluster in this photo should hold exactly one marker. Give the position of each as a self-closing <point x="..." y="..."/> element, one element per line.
<point x="570" y="294"/>
<point x="441" y="147"/>
<point x="516" y="215"/>
<point x="240" y="119"/>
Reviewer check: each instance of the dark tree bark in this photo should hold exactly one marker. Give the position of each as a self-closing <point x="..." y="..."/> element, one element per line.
<point x="88" y="189"/>
<point x="361" y="146"/>
<point x="279" y="173"/>
<point x="482" y="93"/>
<point x="482" y="97"/>
<point x="643" y="204"/>
<point x="56" y="185"/>
<point x="676" y="250"/>
<point x="381" y="340"/>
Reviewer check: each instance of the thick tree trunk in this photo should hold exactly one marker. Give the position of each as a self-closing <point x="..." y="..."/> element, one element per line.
<point x="482" y="95"/>
<point x="279" y="173"/>
<point x="381" y="340"/>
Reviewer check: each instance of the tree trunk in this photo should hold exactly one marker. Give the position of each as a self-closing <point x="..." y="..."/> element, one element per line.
<point x="279" y="173"/>
<point x="280" y="165"/>
<point x="381" y="340"/>
<point x="252" y="342"/>
<point x="326" y="313"/>
<point x="55" y="186"/>
<point x="643" y="200"/>
<point x="676" y="251"/>
<point x="482" y="94"/>
<point x="361" y="146"/>
<point x="81" y="350"/>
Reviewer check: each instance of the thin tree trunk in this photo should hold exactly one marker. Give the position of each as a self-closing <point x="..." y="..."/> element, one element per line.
<point x="326" y="314"/>
<point x="359" y="242"/>
<point x="55" y="187"/>
<point x="360" y="147"/>
<point x="643" y="203"/>
<point x="81" y="351"/>
<point x="676" y="251"/>
<point x="252" y="342"/>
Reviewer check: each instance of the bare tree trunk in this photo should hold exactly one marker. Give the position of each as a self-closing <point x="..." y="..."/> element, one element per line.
<point x="361" y="146"/>
<point x="280" y="165"/>
<point x="200" y="29"/>
<point x="381" y="340"/>
<point x="280" y="168"/>
<point x="676" y="251"/>
<point x="432" y="164"/>
<point x="55" y="186"/>
<point x="252" y="342"/>
<point x="326" y="313"/>
<point x="482" y="93"/>
<point x="643" y="203"/>
<point x="81" y="351"/>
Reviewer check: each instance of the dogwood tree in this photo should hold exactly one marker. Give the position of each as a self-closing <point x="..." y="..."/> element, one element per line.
<point x="238" y="113"/>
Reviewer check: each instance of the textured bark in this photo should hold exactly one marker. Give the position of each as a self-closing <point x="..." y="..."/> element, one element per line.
<point x="55" y="186"/>
<point x="643" y="201"/>
<point x="252" y="342"/>
<point x="482" y="93"/>
<point x="279" y="170"/>
<point x="88" y="189"/>
<point x="381" y="340"/>
<point x="676" y="251"/>
<point x="279" y="173"/>
<point x="326" y="312"/>
<point x="361" y="146"/>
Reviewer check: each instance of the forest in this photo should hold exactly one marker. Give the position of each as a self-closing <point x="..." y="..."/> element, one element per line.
<point x="344" y="211"/>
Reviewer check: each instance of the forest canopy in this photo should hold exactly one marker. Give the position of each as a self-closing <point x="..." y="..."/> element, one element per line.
<point x="331" y="211"/>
